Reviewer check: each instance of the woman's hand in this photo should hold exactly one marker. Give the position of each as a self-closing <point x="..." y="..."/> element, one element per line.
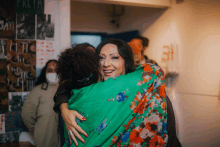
<point x="69" y="117"/>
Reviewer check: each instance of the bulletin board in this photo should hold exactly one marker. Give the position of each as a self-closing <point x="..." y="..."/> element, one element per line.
<point x="26" y="44"/>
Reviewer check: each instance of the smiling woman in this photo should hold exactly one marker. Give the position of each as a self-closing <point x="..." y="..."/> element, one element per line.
<point x="112" y="64"/>
<point x="116" y="58"/>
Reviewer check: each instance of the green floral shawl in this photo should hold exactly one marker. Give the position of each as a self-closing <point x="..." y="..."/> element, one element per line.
<point x="129" y="110"/>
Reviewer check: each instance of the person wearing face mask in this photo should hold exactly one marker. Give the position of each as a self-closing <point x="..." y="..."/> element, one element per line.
<point x="37" y="111"/>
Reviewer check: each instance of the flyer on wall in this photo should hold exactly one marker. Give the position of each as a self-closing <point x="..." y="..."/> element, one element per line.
<point x="45" y="52"/>
<point x="2" y="123"/>
<point x="34" y="27"/>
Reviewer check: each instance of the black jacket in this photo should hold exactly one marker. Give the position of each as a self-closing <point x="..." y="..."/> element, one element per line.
<point x="173" y="141"/>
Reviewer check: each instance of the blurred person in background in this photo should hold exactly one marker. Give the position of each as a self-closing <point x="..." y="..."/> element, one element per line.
<point x="138" y="45"/>
<point x="37" y="111"/>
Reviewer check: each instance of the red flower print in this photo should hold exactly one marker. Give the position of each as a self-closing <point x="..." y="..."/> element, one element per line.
<point x="140" y="107"/>
<point x="114" y="140"/>
<point x="135" y="136"/>
<point x="162" y="90"/>
<point x="133" y="103"/>
<point x="147" y="67"/>
<point x="158" y="139"/>
<point x="152" y="127"/>
<point x="127" y="126"/>
<point x="163" y="105"/>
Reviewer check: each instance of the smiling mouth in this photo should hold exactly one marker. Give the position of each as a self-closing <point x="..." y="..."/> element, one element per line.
<point x="108" y="72"/>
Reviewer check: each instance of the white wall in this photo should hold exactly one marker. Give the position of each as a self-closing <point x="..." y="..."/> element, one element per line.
<point x="60" y="11"/>
<point x="89" y="17"/>
<point x="52" y="7"/>
<point x="194" y="26"/>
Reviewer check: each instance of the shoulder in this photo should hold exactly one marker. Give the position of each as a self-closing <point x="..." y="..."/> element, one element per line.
<point x="41" y="88"/>
<point x="36" y="89"/>
<point x="152" y="69"/>
<point x="150" y="73"/>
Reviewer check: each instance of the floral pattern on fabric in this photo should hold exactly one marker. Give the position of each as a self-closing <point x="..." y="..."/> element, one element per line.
<point x="129" y="111"/>
<point x="102" y="126"/>
<point x="148" y="126"/>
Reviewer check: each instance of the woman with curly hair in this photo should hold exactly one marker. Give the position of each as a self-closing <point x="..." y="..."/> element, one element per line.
<point x="74" y="66"/>
<point x="125" y="108"/>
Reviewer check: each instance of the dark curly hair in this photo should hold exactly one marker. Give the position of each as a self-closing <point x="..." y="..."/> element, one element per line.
<point x="78" y="65"/>
<point x="124" y="51"/>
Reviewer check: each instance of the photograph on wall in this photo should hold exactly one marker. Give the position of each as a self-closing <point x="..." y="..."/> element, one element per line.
<point x="14" y="122"/>
<point x="25" y="27"/>
<point x="7" y="19"/>
<point x="9" y="137"/>
<point x="14" y="101"/>
<point x="3" y="76"/>
<point x="21" y="64"/>
<point x="45" y="52"/>
<point x="45" y="27"/>
<point x="2" y="123"/>
<point x="3" y="44"/>
<point x="3" y="102"/>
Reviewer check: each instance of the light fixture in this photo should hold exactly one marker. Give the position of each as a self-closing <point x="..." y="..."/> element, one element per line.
<point x="115" y="12"/>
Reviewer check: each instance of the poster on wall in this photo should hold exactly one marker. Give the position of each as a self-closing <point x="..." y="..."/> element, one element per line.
<point x="45" y="27"/>
<point x="45" y="52"/>
<point x="21" y="65"/>
<point x="9" y="137"/>
<point x="3" y="44"/>
<point x="2" y="123"/>
<point x="30" y="6"/>
<point x="3" y="76"/>
<point x="7" y="19"/>
<point x="35" y="27"/>
<point x="15" y="101"/>
<point x="25" y="27"/>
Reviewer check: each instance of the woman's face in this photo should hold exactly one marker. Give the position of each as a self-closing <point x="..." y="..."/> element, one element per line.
<point x="112" y="64"/>
<point x="51" y="67"/>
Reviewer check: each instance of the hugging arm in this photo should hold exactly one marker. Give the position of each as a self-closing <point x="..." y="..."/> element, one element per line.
<point x="61" y="99"/>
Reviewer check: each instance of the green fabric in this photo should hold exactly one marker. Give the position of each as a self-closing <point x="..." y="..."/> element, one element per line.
<point x="108" y="108"/>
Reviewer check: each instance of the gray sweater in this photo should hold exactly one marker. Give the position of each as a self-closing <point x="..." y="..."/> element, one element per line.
<point x="39" y="117"/>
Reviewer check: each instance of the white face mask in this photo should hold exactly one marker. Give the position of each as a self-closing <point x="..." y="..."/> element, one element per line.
<point x="52" y="78"/>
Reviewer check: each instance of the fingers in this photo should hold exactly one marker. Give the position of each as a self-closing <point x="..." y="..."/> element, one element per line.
<point x="79" y="116"/>
<point x="76" y="134"/>
<point x="70" y="139"/>
<point x="73" y="138"/>
<point x="78" y="128"/>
